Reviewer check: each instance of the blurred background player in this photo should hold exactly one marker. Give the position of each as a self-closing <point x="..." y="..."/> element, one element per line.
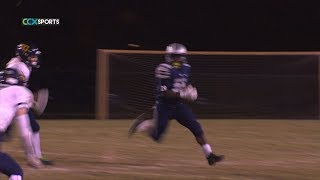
<point x="10" y="167"/>
<point x="28" y="57"/>
<point x="173" y="89"/>
<point x="15" y="101"/>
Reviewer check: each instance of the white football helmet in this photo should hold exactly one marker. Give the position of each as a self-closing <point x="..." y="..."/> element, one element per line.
<point x="176" y="54"/>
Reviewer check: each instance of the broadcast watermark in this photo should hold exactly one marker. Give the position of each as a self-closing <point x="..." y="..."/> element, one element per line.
<point x="40" y="21"/>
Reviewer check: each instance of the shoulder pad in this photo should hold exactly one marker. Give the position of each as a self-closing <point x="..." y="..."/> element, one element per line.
<point x="21" y="67"/>
<point x="13" y="62"/>
<point x="163" y="71"/>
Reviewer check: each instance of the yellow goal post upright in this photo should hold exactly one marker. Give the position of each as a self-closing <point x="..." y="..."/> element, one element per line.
<point x="103" y="70"/>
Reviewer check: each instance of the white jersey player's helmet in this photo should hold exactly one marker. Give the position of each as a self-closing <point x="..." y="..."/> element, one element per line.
<point x="29" y="53"/>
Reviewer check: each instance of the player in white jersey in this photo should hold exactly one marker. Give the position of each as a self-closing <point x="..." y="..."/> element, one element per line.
<point x="15" y="101"/>
<point x="27" y="57"/>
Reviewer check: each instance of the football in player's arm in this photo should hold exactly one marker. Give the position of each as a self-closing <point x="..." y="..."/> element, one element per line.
<point x="173" y="89"/>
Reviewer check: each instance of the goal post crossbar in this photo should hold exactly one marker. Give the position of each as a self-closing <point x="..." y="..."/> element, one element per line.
<point x="271" y="53"/>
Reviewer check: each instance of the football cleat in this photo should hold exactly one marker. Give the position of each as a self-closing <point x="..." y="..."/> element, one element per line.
<point x="213" y="159"/>
<point x="34" y="162"/>
<point x="133" y="128"/>
<point x="46" y="162"/>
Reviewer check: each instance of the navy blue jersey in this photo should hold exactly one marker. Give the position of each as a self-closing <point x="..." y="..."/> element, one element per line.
<point x="170" y="78"/>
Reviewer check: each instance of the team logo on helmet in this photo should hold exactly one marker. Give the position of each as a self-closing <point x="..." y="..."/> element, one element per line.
<point x="25" y="48"/>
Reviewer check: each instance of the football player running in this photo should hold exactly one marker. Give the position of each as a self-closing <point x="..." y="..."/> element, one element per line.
<point x="15" y="101"/>
<point x="28" y="57"/>
<point x="173" y="89"/>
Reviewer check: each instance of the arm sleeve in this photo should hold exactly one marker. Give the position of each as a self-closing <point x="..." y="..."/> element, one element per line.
<point x="163" y="77"/>
<point x="163" y="71"/>
<point x="164" y="81"/>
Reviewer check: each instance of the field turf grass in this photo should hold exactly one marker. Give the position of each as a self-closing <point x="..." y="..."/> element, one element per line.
<point x="100" y="150"/>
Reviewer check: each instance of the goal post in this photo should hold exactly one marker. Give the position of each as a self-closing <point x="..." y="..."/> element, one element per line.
<point x="102" y="80"/>
<point x="102" y="85"/>
<point x="121" y="71"/>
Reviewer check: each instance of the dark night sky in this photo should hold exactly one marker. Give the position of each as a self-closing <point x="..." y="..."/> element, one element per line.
<point x="223" y="25"/>
<point x="215" y="25"/>
<point x="206" y="25"/>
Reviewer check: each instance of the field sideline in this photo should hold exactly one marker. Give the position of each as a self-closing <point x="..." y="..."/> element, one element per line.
<point x="100" y="150"/>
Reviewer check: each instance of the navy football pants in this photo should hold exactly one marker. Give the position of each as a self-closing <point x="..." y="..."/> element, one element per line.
<point x="181" y="112"/>
<point x="9" y="166"/>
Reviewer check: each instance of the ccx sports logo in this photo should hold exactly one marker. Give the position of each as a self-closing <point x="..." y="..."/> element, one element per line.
<point x="40" y="21"/>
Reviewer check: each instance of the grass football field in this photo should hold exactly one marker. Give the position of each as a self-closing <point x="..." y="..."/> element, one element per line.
<point x="100" y="150"/>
